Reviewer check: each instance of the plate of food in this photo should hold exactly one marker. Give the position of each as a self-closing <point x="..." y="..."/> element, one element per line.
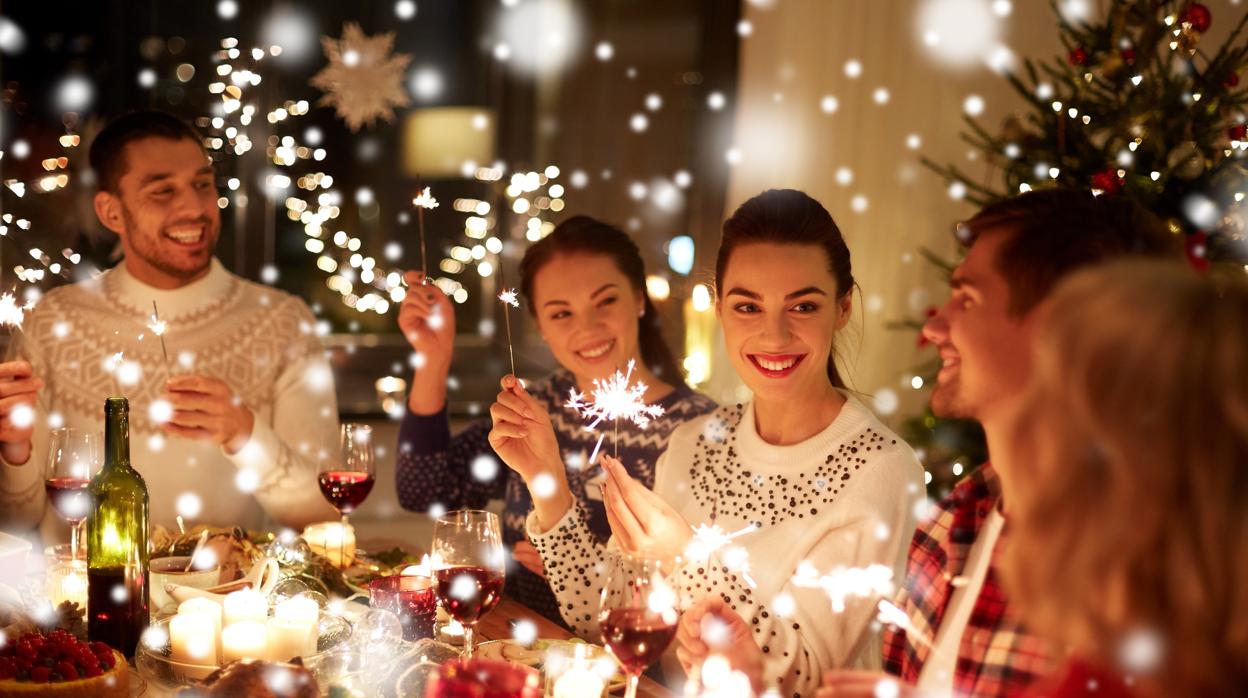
<point x="544" y="654"/>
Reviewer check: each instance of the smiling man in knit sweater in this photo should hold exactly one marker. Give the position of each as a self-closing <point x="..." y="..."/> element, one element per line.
<point x="229" y="426"/>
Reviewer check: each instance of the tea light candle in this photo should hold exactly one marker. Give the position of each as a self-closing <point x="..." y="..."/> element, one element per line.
<point x="211" y="609"/>
<point x="580" y="681"/>
<point x="246" y="639"/>
<point x="193" y="639"/>
<point x="67" y="581"/>
<point x="333" y="540"/>
<point x="245" y="605"/>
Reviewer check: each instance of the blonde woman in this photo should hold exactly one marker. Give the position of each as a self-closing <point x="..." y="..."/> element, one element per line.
<point x="1129" y="540"/>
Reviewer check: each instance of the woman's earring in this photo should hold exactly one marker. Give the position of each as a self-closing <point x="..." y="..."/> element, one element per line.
<point x="642" y="312"/>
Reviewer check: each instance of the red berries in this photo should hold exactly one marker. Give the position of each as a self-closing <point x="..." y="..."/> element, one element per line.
<point x="55" y="657"/>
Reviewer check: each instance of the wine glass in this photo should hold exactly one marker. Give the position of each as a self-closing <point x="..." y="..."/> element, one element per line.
<point x="346" y="481"/>
<point x="638" y="613"/>
<point x="468" y="558"/>
<point x="74" y="457"/>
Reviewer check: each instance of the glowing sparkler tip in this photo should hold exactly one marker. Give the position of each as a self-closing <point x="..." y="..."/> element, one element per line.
<point x="508" y="296"/>
<point x="424" y="199"/>
<point x="157" y="326"/>
<point x="12" y="314"/>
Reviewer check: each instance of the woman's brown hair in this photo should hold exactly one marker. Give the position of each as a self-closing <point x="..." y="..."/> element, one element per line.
<point x="1131" y="456"/>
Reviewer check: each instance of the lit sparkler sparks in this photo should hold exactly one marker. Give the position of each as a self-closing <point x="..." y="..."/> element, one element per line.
<point x="845" y="582"/>
<point x="709" y="539"/>
<point x="158" y="327"/>
<point x="508" y="297"/>
<point x="424" y="200"/>
<point x="890" y="614"/>
<point x="12" y="314"/>
<point x="613" y="399"/>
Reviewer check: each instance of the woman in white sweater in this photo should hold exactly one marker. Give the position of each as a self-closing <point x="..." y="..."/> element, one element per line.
<point x="813" y="476"/>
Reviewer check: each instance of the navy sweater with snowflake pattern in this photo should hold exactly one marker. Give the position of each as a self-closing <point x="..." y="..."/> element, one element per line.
<point x="436" y="469"/>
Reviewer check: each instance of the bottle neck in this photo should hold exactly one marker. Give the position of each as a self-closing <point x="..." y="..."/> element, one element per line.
<point x="116" y="437"/>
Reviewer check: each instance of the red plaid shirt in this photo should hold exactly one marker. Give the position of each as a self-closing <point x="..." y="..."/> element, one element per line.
<point x="997" y="656"/>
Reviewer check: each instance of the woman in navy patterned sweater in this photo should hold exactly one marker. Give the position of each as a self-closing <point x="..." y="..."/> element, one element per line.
<point x="584" y="284"/>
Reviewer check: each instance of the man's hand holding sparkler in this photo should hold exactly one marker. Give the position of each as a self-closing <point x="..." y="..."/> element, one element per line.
<point x="205" y="408"/>
<point x="427" y="320"/>
<point x="640" y="520"/>
<point x="711" y="627"/>
<point x="524" y="439"/>
<point x="19" y="391"/>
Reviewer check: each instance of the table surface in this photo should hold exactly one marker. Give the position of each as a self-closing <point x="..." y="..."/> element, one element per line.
<point x="496" y="625"/>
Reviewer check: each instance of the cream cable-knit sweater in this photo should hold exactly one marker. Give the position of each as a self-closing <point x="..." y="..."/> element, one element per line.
<point x="258" y="340"/>
<point x="842" y="498"/>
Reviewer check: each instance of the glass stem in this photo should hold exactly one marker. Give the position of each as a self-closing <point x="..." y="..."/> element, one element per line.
<point x="73" y="540"/>
<point x="467" y="641"/>
<point x="633" y="680"/>
<point x="342" y="543"/>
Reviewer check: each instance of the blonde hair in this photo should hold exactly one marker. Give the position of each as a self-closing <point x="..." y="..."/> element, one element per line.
<point x="1132" y="504"/>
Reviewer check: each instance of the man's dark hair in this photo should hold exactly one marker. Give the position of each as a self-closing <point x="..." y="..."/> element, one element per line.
<point x="107" y="154"/>
<point x="1053" y="232"/>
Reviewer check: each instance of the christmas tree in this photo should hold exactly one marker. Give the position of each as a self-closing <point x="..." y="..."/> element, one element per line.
<point x="1138" y="107"/>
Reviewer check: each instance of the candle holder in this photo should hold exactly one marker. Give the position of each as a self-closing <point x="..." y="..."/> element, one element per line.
<point x="483" y="678"/>
<point x="66" y="581"/>
<point x="156" y="663"/>
<point x="411" y="598"/>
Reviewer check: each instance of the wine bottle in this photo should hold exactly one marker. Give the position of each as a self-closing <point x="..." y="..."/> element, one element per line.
<point x="117" y="540"/>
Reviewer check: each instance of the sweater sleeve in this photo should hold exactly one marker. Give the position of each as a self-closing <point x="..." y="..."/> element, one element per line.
<point x="576" y="567"/>
<point x="21" y="486"/>
<point x="800" y="634"/>
<point x="283" y="452"/>
<point x="432" y="467"/>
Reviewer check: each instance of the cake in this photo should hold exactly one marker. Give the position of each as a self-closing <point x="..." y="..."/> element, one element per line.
<point x="59" y="664"/>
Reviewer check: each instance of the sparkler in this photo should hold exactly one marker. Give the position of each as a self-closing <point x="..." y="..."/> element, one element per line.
<point x="12" y="314"/>
<point x="158" y="326"/>
<point x="508" y="297"/>
<point x="845" y="582"/>
<point x="613" y="399"/>
<point x="423" y="201"/>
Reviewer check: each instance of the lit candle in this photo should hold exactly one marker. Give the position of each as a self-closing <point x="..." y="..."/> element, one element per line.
<point x="247" y="639"/>
<point x="193" y="639"/>
<point x="211" y="609"/>
<point x="580" y="681"/>
<point x="333" y="540"/>
<point x="288" y="639"/>
<point x="299" y="616"/>
<point x="245" y="605"/>
<point x="67" y="581"/>
<point x="298" y="608"/>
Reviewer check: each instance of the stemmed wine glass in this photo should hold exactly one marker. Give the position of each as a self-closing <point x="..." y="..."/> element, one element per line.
<point x="638" y="613"/>
<point x="346" y="481"/>
<point x="469" y="560"/>
<point x="74" y="457"/>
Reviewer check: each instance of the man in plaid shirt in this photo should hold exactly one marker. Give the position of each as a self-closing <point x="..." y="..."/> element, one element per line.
<point x="964" y="638"/>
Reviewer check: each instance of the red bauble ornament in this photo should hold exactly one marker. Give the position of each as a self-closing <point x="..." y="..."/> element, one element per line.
<point x="1231" y="81"/>
<point x="1128" y="56"/>
<point x="1107" y="181"/>
<point x="1198" y="16"/>
<point x="1238" y="132"/>
<point x="1077" y="56"/>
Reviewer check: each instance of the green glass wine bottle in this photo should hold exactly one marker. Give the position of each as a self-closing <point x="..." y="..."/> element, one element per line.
<point x="117" y="540"/>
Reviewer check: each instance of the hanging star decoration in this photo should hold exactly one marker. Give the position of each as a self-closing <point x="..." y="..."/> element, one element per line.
<point x="364" y="80"/>
<point x="613" y="399"/>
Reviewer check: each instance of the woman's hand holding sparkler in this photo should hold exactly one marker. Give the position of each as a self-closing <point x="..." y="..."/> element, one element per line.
<point x="427" y="320"/>
<point x="711" y="627"/>
<point x="19" y="391"/>
<point x="640" y="520"/>
<point x="524" y="439"/>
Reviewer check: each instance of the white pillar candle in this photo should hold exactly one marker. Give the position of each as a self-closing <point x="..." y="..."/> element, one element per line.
<point x="212" y="609"/>
<point x="244" y="605"/>
<point x="288" y="639"/>
<point x="580" y="681"/>
<point x="298" y="614"/>
<point x="298" y="608"/>
<point x="193" y="640"/>
<point x="247" y="639"/>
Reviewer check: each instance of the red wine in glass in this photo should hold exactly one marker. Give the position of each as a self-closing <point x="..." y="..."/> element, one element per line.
<point x="69" y="497"/>
<point x="637" y="637"/>
<point x="346" y="490"/>
<point x="467" y="593"/>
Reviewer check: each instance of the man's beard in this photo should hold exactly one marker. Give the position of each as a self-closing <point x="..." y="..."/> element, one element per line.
<point x="151" y="253"/>
<point x="947" y="404"/>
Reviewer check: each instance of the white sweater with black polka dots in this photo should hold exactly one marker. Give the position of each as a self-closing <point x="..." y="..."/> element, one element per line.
<point x="842" y="499"/>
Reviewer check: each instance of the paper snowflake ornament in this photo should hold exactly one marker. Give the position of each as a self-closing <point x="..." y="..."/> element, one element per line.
<point x="613" y="399"/>
<point x="12" y="314"/>
<point x="364" y="80"/>
<point x="509" y="297"/>
<point x="425" y="200"/>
